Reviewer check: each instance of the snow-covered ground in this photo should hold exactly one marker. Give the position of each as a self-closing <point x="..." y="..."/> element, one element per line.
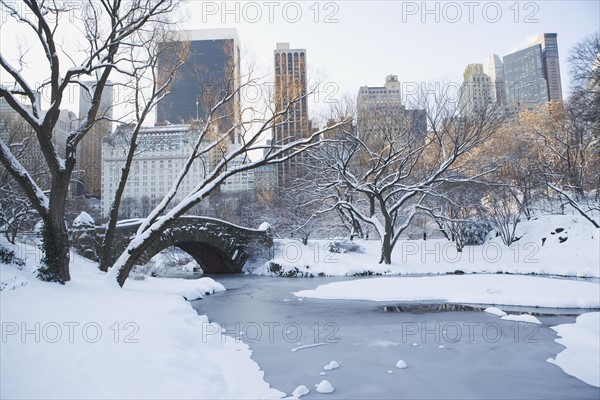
<point x="89" y="339"/>
<point x="581" y="358"/>
<point x="548" y="245"/>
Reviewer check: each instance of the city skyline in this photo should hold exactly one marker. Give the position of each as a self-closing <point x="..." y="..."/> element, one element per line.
<point x="406" y="40"/>
<point x="417" y="44"/>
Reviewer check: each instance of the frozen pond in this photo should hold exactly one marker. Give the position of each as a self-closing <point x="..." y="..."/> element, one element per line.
<point x="454" y="354"/>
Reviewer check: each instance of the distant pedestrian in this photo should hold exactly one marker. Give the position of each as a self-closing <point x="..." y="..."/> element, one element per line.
<point x="424" y="235"/>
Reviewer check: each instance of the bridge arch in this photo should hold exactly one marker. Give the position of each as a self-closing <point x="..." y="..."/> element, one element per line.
<point x="217" y="246"/>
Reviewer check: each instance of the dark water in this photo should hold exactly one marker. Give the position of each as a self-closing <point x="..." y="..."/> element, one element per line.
<point x="455" y="354"/>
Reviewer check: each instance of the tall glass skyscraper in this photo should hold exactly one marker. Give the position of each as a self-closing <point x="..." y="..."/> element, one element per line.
<point x="211" y="71"/>
<point x="532" y="75"/>
<point x="550" y="64"/>
<point x="524" y="76"/>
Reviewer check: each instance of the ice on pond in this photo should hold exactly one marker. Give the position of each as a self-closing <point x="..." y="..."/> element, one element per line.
<point x="522" y="318"/>
<point x="495" y="311"/>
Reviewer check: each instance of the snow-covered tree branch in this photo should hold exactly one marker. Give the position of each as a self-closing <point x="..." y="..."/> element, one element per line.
<point x="385" y="171"/>
<point x="105" y="30"/>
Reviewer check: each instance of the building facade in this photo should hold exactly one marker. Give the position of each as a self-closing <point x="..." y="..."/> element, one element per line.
<point x="550" y="65"/>
<point x="161" y="154"/>
<point x="89" y="159"/>
<point x="23" y="143"/>
<point x="495" y="70"/>
<point x="532" y="74"/>
<point x="290" y="86"/>
<point x="524" y="75"/>
<point x="380" y="111"/>
<point x="476" y="97"/>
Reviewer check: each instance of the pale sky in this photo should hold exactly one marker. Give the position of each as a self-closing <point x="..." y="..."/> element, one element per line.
<point x="355" y="43"/>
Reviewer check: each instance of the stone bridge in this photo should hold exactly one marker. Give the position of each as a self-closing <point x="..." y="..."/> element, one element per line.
<point x="217" y="246"/>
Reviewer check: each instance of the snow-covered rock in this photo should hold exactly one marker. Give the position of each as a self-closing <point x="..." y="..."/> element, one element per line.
<point x="265" y="226"/>
<point x="324" y="387"/>
<point x="331" y="365"/>
<point x="84" y="220"/>
<point x="300" y="391"/>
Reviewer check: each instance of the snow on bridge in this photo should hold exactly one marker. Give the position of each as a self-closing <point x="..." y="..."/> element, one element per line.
<point x="217" y="246"/>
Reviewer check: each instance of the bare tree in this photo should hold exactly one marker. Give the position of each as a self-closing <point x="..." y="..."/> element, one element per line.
<point x="584" y="61"/>
<point x="258" y="123"/>
<point x="385" y="172"/>
<point x="149" y="86"/>
<point x="295" y="212"/>
<point x="15" y="209"/>
<point x="505" y="212"/>
<point x="571" y="159"/>
<point x="108" y="29"/>
<point x="459" y="212"/>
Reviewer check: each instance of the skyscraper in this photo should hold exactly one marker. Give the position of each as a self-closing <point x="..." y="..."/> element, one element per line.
<point x="290" y="84"/>
<point x="210" y="72"/>
<point x="89" y="161"/>
<point x="475" y="92"/>
<point x="380" y="112"/>
<point x="532" y="74"/>
<point x="495" y="70"/>
<point x="550" y="65"/>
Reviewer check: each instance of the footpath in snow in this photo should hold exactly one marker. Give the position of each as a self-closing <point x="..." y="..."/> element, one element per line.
<point x="89" y="339"/>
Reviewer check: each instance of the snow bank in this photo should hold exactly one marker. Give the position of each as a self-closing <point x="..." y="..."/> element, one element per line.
<point x="581" y="358"/>
<point x="471" y="289"/>
<point x="88" y="339"/>
<point x="548" y="245"/>
<point x="190" y="289"/>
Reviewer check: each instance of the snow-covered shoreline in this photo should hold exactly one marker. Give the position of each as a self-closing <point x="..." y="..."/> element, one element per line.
<point x="89" y="339"/>
<point x="581" y="357"/>
<point x="549" y="245"/>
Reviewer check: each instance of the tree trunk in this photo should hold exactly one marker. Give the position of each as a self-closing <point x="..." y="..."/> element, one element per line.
<point x="131" y="255"/>
<point x="386" y="249"/>
<point x="55" y="235"/>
